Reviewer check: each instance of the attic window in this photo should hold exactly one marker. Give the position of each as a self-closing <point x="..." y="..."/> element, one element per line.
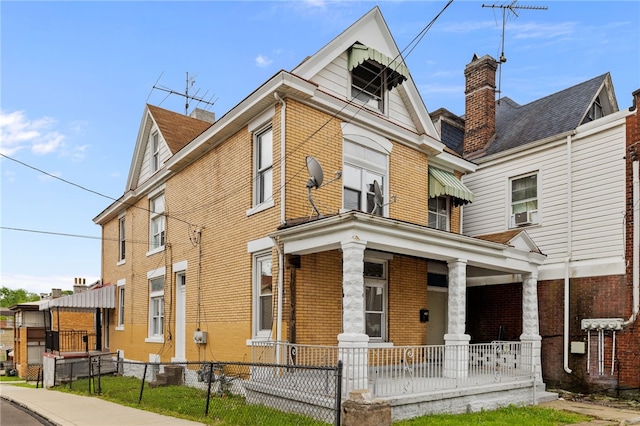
<point x="596" y="110"/>
<point x="373" y="74"/>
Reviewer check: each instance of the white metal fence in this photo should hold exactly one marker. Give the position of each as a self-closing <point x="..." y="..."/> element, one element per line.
<point x="401" y="370"/>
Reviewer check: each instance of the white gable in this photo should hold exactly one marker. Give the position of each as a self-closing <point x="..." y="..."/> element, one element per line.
<point x="142" y="164"/>
<point x="328" y="68"/>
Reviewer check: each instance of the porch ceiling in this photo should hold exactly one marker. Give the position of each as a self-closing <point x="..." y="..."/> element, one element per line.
<point x="405" y="238"/>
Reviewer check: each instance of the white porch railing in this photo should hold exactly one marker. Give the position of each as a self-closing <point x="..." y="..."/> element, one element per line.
<point x="410" y="369"/>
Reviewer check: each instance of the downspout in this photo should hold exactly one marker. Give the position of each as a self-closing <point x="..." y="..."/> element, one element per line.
<point x="636" y="245"/>
<point x="565" y="343"/>
<point x="280" y="295"/>
<point x="283" y="151"/>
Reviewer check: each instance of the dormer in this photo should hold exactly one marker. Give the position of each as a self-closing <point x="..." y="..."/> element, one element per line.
<point x="373" y="75"/>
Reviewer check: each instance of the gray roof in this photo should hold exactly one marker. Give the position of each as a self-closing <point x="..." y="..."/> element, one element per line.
<point x="560" y="112"/>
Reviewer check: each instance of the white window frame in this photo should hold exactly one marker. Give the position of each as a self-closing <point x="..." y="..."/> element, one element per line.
<point x="157" y="224"/>
<point x="533" y="213"/>
<point x="156" y="305"/>
<point x="364" y="93"/>
<point x="155" y="152"/>
<point x="259" y="259"/>
<point x="377" y="282"/>
<point x="362" y="165"/>
<point x="122" y="240"/>
<point x="438" y="215"/>
<point x="263" y="167"/>
<point x="121" y="300"/>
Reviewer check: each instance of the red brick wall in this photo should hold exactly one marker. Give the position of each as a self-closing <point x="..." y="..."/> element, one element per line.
<point x="480" y="103"/>
<point x="489" y="307"/>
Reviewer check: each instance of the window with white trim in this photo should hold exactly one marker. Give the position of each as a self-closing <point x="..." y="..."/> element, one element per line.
<point x="120" y="305"/>
<point x="121" y="239"/>
<point x="157" y="222"/>
<point x="439" y="213"/>
<point x="263" y="166"/>
<point x="263" y="294"/>
<point x="155" y="151"/>
<point x="375" y="299"/>
<point x="362" y="166"/>
<point x="156" y="307"/>
<point x="524" y="200"/>
<point x="367" y="84"/>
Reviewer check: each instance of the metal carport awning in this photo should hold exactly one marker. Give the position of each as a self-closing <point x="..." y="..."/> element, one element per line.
<point x="104" y="297"/>
<point x="445" y="183"/>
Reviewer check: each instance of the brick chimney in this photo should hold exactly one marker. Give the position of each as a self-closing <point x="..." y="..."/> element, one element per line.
<point x="480" y="104"/>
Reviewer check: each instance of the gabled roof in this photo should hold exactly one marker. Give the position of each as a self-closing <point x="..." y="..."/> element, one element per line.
<point x="177" y="129"/>
<point x="517" y="125"/>
<point x="371" y="30"/>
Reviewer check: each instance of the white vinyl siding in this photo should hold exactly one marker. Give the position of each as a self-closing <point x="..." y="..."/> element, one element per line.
<point x="597" y="198"/>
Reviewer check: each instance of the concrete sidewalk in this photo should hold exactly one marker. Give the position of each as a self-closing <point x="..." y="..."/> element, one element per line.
<point x="65" y="409"/>
<point x="604" y="415"/>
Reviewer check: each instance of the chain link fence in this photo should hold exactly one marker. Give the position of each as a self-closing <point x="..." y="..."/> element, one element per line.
<point x="211" y="391"/>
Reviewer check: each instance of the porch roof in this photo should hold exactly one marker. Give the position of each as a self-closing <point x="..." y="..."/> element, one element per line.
<point x="104" y="297"/>
<point x="394" y="236"/>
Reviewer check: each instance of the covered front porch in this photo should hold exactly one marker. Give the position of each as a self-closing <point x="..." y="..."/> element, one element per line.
<point x="402" y="371"/>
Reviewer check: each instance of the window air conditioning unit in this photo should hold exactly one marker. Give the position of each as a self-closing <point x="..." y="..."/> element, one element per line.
<point x="523" y="218"/>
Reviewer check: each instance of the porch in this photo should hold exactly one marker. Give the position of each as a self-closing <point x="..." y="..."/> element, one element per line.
<point x="417" y="380"/>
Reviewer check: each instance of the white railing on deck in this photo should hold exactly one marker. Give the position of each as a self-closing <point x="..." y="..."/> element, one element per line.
<point x="401" y="370"/>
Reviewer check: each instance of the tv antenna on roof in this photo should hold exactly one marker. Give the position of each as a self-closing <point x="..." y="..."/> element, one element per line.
<point x="190" y="81"/>
<point x="506" y="9"/>
<point x="316" y="177"/>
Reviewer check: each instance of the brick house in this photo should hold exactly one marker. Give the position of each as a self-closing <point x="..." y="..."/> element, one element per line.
<point x="545" y="167"/>
<point x="322" y="211"/>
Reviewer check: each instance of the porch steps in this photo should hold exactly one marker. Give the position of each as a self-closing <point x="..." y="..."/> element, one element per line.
<point x="172" y="375"/>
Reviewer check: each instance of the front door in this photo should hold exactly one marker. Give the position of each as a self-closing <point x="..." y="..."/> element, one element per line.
<point x="180" y="336"/>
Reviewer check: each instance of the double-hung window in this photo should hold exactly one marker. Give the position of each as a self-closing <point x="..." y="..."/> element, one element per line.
<point x="263" y="166"/>
<point x="524" y="200"/>
<point x="120" y="325"/>
<point x="439" y="213"/>
<point x="157" y="222"/>
<point x="263" y="294"/>
<point x="367" y="84"/>
<point x="155" y="152"/>
<point x="156" y="308"/>
<point x="121" y="239"/>
<point x="375" y="299"/>
<point x="362" y="167"/>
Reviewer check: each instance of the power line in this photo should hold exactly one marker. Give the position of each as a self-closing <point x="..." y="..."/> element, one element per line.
<point x="90" y="190"/>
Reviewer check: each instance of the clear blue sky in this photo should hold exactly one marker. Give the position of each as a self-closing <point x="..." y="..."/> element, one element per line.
<point x="75" y="77"/>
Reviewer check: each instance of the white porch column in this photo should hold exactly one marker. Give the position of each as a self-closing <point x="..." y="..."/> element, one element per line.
<point x="353" y="342"/>
<point x="530" y="322"/>
<point x="456" y="363"/>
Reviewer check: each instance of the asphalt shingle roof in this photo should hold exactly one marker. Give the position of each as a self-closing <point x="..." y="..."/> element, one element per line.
<point x="177" y="129"/>
<point x="560" y="112"/>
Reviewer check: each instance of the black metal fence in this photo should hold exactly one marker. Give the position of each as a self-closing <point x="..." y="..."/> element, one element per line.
<point x="231" y="392"/>
<point x="69" y="341"/>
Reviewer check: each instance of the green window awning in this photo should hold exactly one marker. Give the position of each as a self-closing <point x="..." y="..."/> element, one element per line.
<point x="445" y="183"/>
<point x="359" y="53"/>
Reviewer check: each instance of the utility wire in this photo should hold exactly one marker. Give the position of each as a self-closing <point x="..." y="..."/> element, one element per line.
<point x="90" y="190"/>
<point x="411" y="46"/>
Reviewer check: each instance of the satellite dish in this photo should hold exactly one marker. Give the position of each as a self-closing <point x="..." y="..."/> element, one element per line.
<point x="316" y="175"/>
<point x="377" y="197"/>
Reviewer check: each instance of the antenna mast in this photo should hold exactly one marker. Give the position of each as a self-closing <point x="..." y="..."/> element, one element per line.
<point x="190" y="81"/>
<point x="512" y="8"/>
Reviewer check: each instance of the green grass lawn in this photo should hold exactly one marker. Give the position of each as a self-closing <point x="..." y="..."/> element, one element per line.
<point x="189" y="403"/>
